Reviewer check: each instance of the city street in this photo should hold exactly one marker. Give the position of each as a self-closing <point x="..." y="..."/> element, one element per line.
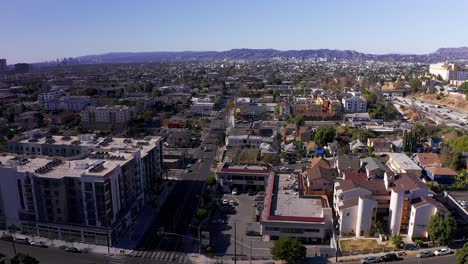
<point x="432" y="260"/>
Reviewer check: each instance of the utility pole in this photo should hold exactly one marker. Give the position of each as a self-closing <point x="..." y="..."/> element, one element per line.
<point x="250" y="250"/>
<point x="235" y="243"/>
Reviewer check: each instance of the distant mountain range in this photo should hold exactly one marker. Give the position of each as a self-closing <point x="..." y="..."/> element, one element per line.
<point x="259" y="54"/>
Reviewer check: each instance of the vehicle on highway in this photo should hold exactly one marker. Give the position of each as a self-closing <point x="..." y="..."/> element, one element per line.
<point x="188" y="171"/>
<point x="219" y="221"/>
<point x="462" y="124"/>
<point x="443" y="251"/>
<point x="234" y="191"/>
<point x="370" y="259"/>
<point x="425" y="254"/>
<point x="225" y="202"/>
<point x="39" y="244"/>
<point x="389" y="257"/>
<point x="24" y="241"/>
<point x="259" y="198"/>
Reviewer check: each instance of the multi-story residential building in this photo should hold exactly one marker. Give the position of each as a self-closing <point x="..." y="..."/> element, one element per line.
<point x="290" y="213"/>
<point x="403" y="201"/>
<point x="400" y="163"/>
<point x="93" y="199"/>
<point x="316" y="109"/>
<point x="202" y="108"/>
<point x="354" y="104"/>
<point x="449" y="71"/>
<point x="245" y="177"/>
<point x="42" y="97"/>
<point x="68" y="103"/>
<point x="107" y="117"/>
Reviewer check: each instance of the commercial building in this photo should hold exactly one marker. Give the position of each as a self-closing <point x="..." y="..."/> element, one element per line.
<point x="290" y="213"/>
<point x="107" y="117"/>
<point x="245" y="177"/>
<point x="202" y="108"/>
<point x="449" y="71"/>
<point x="22" y="68"/>
<point x="92" y="199"/>
<point x="67" y="103"/>
<point x="42" y="97"/>
<point x="354" y="104"/>
<point x="3" y="65"/>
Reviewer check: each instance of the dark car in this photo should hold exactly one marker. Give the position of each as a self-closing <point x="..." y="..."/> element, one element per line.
<point x="252" y="233"/>
<point x="72" y="249"/>
<point x="389" y="257"/>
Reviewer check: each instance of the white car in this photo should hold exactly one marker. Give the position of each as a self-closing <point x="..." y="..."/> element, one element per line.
<point x="225" y="202"/>
<point x="231" y="203"/>
<point x="370" y="259"/>
<point x="443" y="251"/>
<point x="234" y="191"/>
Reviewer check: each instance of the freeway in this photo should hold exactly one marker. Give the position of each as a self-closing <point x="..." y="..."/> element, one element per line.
<point x="435" y="112"/>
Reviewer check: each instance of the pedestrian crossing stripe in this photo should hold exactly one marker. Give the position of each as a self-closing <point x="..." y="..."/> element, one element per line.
<point x="171" y="256"/>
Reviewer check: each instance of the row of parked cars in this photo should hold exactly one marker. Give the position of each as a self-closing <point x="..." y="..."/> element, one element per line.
<point x="26" y="241"/>
<point x="393" y="257"/>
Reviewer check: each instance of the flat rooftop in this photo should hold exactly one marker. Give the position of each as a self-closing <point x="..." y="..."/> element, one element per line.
<point x="244" y="168"/>
<point x="403" y="161"/>
<point x="286" y="204"/>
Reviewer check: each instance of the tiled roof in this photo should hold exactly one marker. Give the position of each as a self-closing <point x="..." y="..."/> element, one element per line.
<point x="429" y="159"/>
<point x="442" y="171"/>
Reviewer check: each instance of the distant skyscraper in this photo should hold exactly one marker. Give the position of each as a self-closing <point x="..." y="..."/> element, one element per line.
<point x="2" y="65"/>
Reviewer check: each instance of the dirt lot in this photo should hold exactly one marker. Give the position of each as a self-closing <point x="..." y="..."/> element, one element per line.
<point x="358" y="245"/>
<point x="455" y="101"/>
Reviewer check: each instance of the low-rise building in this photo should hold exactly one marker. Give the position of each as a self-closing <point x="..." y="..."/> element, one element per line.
<point x="68" y="103"/>
<point x="290" y="213"/>
<point x="400" y="163"/>
<point x="244" y="177"/>
<point x="354" y="104"/>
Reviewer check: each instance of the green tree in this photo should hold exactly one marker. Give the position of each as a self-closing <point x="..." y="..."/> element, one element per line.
<point x="441" y="227"/>
<point x="462" y="255"/>
<point x="211" y="181"/>
<point x="325" y="134"/>
<point x="289" y="249"/>
<point x="415" y="84"/>
<point x="397" y="240"/>
<point x="464" y="87"/>
<point x="201" y="214"/>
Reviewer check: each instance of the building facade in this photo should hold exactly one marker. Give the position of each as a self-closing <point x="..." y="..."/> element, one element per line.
<point x="107" y="117"/>
<point x="354" y="104"/>
<point x="91" y="200"/>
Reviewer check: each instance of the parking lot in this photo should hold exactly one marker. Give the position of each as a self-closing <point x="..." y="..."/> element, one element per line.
<point x="242" y="220"/>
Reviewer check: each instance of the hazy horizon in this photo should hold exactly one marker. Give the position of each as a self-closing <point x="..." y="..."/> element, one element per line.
<point x="51" y="29"/>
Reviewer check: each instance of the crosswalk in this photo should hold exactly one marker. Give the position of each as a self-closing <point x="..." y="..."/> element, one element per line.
<point x="170" y="256"/>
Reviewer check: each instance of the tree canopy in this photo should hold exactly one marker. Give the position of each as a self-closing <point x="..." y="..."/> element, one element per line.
<point x="211" y="181"/>
<point x="289" y="249"/>
<point x="441" y="227"/>
<point x="325" y="134"/>
<point x="462" y="254"/>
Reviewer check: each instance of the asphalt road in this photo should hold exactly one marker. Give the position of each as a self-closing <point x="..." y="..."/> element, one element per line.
<point x="176" y="214"/>
<point x="432" y="260"/>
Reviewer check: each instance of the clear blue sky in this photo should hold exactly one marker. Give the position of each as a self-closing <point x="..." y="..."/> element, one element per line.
<point x="38" y="30"/>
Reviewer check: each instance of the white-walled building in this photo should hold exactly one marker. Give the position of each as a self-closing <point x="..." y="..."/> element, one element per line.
<point x="42" y="97"/>
<point x="449" y="71"/>
<point x="68" y="103"/>
<point x="400" y="163"/>
<point x="354" y="104"/>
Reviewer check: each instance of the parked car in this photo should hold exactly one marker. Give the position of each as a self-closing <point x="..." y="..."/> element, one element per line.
<point x="232" y="203"/>
<point x="24" y="241"/>
<point x="259" y="198"/>
<point x="370" y="259"/>
<point x="443" y="251"/>
<point x="389" y="257"/>
<point x="425" y="254"/>
<point x="188" y="171"/>
<point x="234" y="191"/>
<point x="252" y="233"/>
<point x="72" y="250"/>
<point x="225" y="202"/>
<point x="39" y="244"/>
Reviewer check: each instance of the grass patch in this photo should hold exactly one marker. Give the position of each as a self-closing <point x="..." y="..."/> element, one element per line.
<point x="360" y="245"/>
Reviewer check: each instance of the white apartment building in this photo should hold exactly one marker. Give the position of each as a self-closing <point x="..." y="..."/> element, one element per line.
<point x="107" y="117"/>
<point x="354" y="104"/>
<point x="400" y="163"/>
<point x="202" y="108"/>
<point x="404" y="199"/>
<point x="449" y="71"/>
<point x="92" y="200"/>
<point x="289" y="213"/>
<point x="68" y="103"/>
<point x="42" y="97"/>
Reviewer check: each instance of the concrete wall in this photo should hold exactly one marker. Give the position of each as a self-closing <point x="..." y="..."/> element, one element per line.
<point x="419" y="219"/>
